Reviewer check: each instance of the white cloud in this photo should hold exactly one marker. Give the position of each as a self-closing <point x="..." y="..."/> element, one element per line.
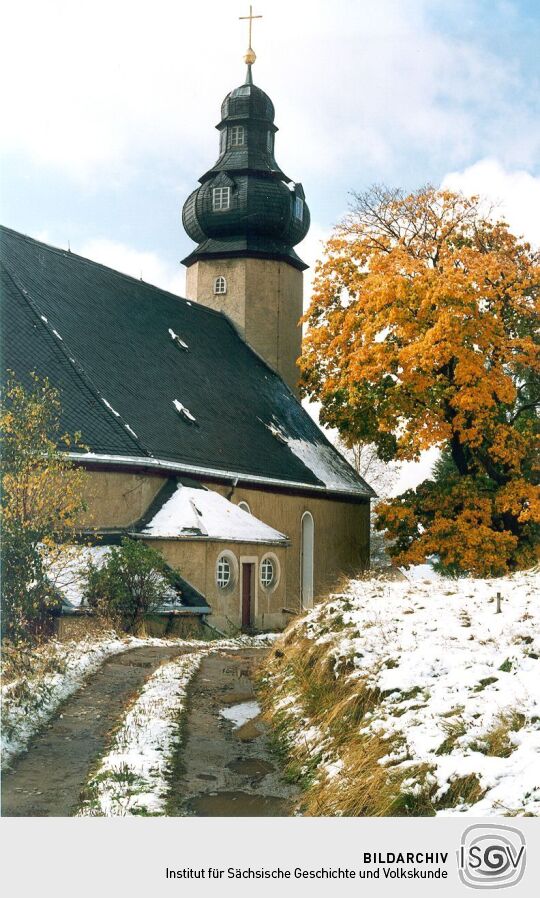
<point x="145" y="265"/>
<point x="515" y="193"/>
<point x="95" y="88"/>
<point x="310" y="251"/>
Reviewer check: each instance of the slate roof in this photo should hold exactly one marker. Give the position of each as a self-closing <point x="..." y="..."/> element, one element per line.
<point x="103" y="339"/>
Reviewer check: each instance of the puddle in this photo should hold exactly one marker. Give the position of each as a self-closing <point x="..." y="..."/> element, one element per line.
<point x="238" y="804"/>
<point x="242" y="713"/>
<point x="254" y="768"/>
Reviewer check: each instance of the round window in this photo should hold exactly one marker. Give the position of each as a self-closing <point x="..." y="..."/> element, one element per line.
<point x="223" y="572"/>
<point x="268" y="572"/>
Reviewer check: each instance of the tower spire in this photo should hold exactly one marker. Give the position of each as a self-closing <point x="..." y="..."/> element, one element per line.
<point x="250" y="56"/>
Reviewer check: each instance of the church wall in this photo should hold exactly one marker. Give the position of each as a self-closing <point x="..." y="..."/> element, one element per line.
<point x="197" y="560"/>
<point x="118" y="499"/>
<point x="341" y="534"/>
<point x="263" y="300"/>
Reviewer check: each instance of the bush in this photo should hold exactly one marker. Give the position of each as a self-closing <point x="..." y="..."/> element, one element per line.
<point x="133" y="581"/>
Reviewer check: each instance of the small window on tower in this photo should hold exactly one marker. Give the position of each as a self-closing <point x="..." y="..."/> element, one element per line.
<point x="237" y="136"/>
<point x="220" y="284"/>
<point x="299" y="208"/>
<point x="221" y="198"/>
<point x="269" y="141"/>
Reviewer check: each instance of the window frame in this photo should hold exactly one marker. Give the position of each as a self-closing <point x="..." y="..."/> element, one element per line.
<point x="237" y="131"/>
<point x="276" y="567"/>
<point x="218" y="199"/>
<point x="220" y="285"/>
<point x="226" y="557"/>
<point x="299" y="208"/>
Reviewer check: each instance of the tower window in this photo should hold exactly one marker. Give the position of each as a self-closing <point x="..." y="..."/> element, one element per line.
<point x="221" y="198"/>
<point x="237" y="136"/>
<point x="220" y="284"/>
<point x="299" y="208"/>
<point x="269" y="141"/>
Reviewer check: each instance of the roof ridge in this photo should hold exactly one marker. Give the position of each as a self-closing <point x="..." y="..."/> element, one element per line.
<point x="69" y="253"/>
<point x="72" y="361"/>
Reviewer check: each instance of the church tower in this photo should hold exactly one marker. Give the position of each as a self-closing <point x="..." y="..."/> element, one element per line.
<point x="246" y="217"/>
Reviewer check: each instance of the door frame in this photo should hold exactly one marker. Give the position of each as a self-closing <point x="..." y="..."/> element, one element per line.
<point x="250" y="559"/>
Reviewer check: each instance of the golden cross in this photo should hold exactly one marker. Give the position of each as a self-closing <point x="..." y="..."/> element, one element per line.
<point x="250" y="17"/>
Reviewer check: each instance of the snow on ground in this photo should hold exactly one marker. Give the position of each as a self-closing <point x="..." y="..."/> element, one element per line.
<point x="459" y="682"/>
<point x="241" y="713"/>
<point x="61" y="668"/>
<point x="132" y="777"/>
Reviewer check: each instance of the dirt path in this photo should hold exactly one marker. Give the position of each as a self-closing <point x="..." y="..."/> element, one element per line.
<point x="222" y="770"/>
<point x="47" y="780"/>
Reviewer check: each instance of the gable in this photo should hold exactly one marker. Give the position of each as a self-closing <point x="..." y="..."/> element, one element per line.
<point x="104" y="341"/>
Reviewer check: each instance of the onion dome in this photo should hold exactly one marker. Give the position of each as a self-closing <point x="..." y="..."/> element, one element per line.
<point x="245" y="205"/>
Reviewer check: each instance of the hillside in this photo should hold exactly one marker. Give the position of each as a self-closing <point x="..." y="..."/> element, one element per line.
<point x="412" y="698"/>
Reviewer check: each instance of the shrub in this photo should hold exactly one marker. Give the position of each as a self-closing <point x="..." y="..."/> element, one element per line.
<point x="133" y="581"/>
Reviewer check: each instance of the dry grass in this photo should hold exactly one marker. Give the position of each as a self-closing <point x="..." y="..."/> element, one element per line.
<point x="497" y="742"/>
<point x="334" y="706"/>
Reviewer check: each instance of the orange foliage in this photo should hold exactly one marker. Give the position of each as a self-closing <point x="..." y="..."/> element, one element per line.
<point x="423" y="332"/>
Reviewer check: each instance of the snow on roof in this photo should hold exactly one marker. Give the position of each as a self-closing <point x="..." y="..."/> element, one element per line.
<point x="67" y="572"/>
<point x="178" y="340"/>
<point x="322" y="460"/>
<point x="193" y="512"/>
<point x="184" y="411"/>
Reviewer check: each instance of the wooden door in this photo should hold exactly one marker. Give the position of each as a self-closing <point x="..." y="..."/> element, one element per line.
<point x="247" y="595"/>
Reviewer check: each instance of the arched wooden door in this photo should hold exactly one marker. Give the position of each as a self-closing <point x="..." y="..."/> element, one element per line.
<point x="306" y="560"/>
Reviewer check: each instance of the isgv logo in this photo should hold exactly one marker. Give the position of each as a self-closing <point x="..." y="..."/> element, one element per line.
<point x="491" y="856"/>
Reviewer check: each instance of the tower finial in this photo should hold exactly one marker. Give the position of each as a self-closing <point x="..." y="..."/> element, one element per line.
<point x="250" y="56"/>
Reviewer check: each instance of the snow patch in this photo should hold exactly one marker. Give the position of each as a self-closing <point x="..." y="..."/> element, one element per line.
<point x="184" y="411"/>
<point x="241" y="713"/>
<point x="178" y="340"/>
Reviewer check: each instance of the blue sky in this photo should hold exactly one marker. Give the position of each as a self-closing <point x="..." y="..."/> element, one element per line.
<point x="109" y="115"/>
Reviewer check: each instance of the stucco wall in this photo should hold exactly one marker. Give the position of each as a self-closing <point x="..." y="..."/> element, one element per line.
<point x="197" y="561"/>
<point x="263" y="299"/>
<point x="341" y="534"/>
<point x="341" y="539"/>
<point x="117" y="499"/>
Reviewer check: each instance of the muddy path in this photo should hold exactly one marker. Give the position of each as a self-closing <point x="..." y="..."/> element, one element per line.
<point x="221" y="769"/>
<point x="47" y="780"/>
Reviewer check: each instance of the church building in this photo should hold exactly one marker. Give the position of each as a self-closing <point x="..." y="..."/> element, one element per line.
<point x="194" y="436"/>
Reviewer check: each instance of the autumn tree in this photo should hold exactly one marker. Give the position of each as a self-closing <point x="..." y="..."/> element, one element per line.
<point x="42" y="498"/>
<point x="423" y="332"/>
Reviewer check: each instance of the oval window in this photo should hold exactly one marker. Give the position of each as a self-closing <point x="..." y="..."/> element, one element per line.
<point x="269" y="572"/>
<point x="223" y="572"/>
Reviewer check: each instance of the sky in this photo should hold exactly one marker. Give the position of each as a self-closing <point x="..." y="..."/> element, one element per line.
<point x="109" y="114"/>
